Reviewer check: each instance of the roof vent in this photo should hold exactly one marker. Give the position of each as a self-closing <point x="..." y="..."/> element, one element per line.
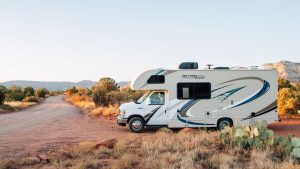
<point x="188" y="65"/>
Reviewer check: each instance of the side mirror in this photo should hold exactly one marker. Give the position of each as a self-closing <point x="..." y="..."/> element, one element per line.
<point x="148" y="101"/>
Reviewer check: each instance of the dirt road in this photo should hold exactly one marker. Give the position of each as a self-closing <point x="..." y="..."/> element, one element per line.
<point x="50" y="125"/>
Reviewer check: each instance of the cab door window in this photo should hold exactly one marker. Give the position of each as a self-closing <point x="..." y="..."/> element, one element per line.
<point x="157" y="98"/>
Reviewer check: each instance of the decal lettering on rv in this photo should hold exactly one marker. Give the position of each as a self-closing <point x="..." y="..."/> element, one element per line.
<point x="193" y="76"/>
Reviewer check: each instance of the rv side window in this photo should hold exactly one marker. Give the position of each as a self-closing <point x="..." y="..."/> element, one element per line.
<point x="156" y="79"/>
<point x="193" y="90"/>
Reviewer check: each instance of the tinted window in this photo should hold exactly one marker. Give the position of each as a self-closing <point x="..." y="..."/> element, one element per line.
<point x="156" y="79"/>
<point x="193" y="90"/>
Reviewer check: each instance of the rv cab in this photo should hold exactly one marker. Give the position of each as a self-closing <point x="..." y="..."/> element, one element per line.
<point x="188" y="97"/>
<point x="153" y="101"/>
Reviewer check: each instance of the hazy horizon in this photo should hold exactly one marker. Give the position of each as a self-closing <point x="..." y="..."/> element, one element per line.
<point x="73" y="41"/>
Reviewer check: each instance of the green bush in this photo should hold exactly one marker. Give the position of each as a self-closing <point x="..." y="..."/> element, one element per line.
<point x="14" y="93"/>
<point x="100" y="90"/>
<point x="31" y="99"/>
<point x="2" y="96"/>
<point x="28" y="91"/>
<point x="41" y="92"/>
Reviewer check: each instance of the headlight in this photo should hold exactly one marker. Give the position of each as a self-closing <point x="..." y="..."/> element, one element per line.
<point x="122" y="112"/>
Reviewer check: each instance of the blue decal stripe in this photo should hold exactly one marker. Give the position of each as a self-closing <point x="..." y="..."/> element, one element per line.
<point x="220" y="88"/>
<point x="229" y="93"/>
<point x="194" y="123"/>
<point x="264" y="89"/>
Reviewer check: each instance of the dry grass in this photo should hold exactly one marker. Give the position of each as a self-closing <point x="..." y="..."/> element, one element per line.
<point x="88" y="106"/>
<point x="20" y="104"/>
<point x="85" y="147"/>
<point x="111" y="111"/>
<point x="83" y="102"/>
<point x="164" y="150"/>
<point x="9" y="107"/>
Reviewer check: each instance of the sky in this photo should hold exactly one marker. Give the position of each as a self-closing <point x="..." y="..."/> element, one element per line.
<point x="72" y="40"/>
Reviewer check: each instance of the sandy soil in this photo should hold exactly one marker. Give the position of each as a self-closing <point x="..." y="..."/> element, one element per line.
<point x="56" y="123"/>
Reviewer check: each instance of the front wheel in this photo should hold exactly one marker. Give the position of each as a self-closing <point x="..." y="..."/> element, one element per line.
<point x="222" y="123"/>
<point x="136" y="125"/>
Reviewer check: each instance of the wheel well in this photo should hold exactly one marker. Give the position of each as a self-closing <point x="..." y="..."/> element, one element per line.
<point x="225" y="118"/>
<point x="132" y="116"/>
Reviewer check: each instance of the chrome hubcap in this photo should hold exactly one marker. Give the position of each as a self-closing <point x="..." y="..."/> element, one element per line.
<point x="223" y="124"/>
<point x="136" y="125"/>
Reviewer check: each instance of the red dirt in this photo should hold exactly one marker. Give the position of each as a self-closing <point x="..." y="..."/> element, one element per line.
<point x="286" y="127"/>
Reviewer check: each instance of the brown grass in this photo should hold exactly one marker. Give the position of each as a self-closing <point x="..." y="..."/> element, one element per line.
<point x="164" y="150"/>
<point x="89" y="107"/>
<point x="18" y="104"/>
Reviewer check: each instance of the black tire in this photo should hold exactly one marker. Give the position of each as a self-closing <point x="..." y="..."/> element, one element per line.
<point x="136" y="125"/>
<point x="222" y="123"/>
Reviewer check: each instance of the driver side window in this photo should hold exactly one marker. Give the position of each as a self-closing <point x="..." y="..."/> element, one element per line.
<point x="157" y="98"/>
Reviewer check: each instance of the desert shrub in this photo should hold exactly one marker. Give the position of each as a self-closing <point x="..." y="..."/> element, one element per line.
<point x="31" y="99"/>
<point x="28" y="91"/>
<point x="2" y="96"/>
<point x="132" y="95"/>
<point x="55" y="93"/>
<point x="100" y="90"/>
<point x="287" y="102"/>
<point x="71" y="91"/>
<point x="283" y="83"/>
<point x="41" y="92"/>
<point x="106" y="92"/>
<point x="3" y="88"/>
<point x="84" y="92"/>
<point x="15" y="93"/>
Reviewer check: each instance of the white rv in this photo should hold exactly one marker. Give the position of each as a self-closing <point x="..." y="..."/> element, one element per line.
<point x="188" y="97"/>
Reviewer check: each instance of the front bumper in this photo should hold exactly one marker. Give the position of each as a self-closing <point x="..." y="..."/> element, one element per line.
<point x="121" y="121"/>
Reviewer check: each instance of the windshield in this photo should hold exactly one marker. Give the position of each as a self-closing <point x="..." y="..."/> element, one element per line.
<point x="144" y="97"/>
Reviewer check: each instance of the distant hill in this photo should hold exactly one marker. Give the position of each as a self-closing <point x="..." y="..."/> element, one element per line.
<point x="286" y="69"/>
<point x="53" y="86"/>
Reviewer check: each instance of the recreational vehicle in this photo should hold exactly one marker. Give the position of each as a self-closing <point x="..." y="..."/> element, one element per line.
<point x="188" y="97"/>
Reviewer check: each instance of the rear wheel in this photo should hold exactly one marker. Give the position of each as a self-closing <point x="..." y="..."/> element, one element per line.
<point x="136" y="125"/>
<point x="222" y="123"/>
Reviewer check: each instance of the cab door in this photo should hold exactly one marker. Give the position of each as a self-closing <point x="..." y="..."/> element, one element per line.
<point x="156" y="112"/>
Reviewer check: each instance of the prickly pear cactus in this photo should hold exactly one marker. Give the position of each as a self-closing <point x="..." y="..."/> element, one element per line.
<point x="296" y="153"/>
<point x="295" y="142"/>
<point x="263" y="135"/>
<point x="239" y="132"/>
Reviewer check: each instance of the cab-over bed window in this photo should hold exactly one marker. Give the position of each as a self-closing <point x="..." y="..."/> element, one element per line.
<point x="156" y="79"/>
